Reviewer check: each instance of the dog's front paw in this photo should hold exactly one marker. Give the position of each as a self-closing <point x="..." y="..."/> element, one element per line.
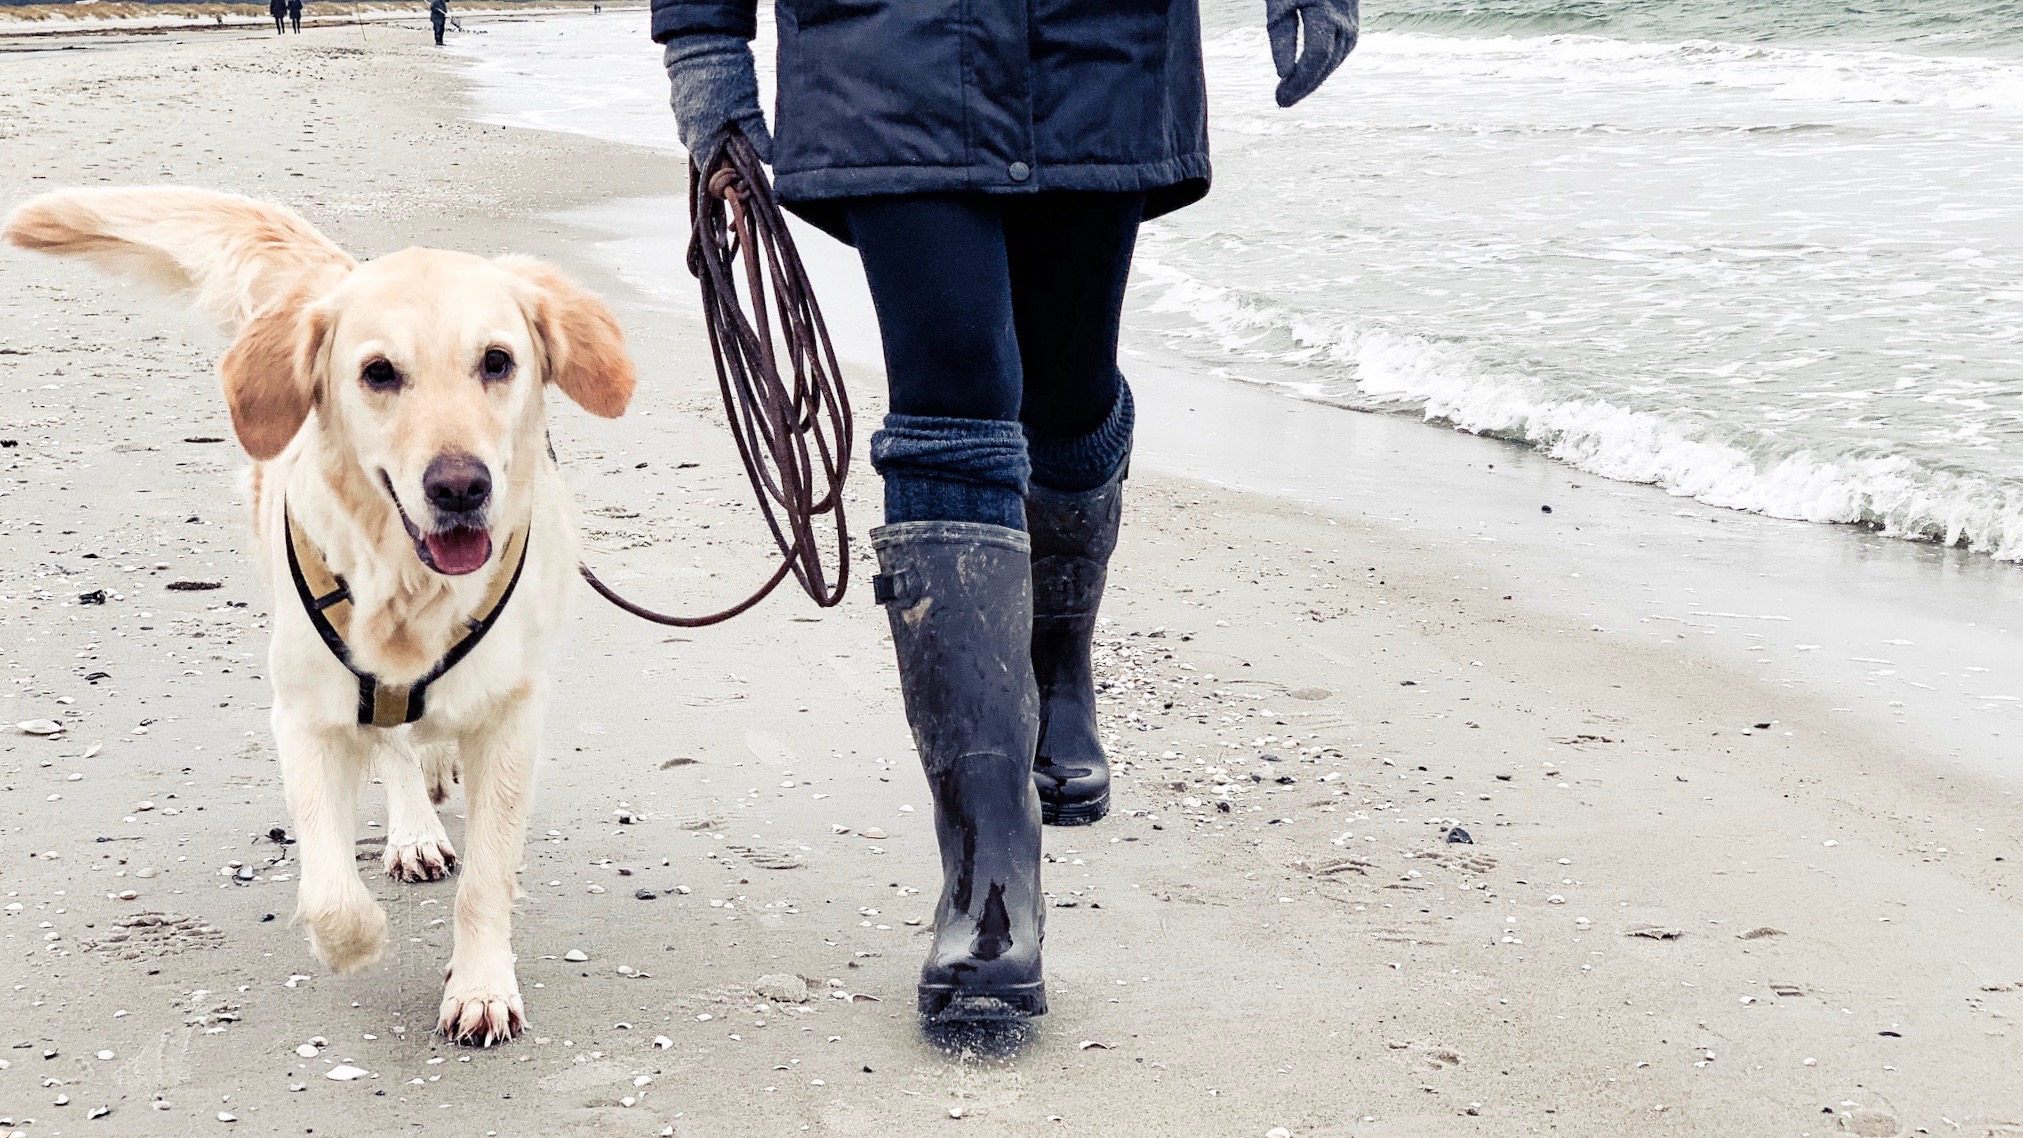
<point x="427" y="858"/>
<point x="481" y="1014"/>
<point x="348" y="936"/>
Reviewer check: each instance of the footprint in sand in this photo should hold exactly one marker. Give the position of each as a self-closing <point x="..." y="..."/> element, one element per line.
<point x="769" y="859"/>
<point x="1870" y="1122"/>
<point x="156" y="934"/>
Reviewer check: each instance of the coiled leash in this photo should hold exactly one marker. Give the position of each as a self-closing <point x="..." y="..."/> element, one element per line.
<point x="793" y="435"/>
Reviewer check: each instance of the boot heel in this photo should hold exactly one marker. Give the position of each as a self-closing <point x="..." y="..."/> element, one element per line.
<point x="955" y="1005"/>
<point x="1075" y="813"/>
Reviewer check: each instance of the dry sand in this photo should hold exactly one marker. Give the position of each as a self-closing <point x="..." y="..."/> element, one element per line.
<point x="1271" y="931"/>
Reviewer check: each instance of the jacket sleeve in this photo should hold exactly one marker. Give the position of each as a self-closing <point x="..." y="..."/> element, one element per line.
<point x="673" y="18"/>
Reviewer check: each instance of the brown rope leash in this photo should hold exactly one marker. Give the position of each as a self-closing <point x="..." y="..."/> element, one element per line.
<point x="793" y="433"/>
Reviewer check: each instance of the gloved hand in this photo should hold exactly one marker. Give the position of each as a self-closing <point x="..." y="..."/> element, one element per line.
<point x="712" y="85"/>
<point x="1330" y="28"/>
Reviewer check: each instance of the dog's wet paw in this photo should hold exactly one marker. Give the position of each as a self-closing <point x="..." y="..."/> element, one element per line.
<point x="424" y="859"/>
<point x="346" y="938"/>
<point x="481" y="1015"/>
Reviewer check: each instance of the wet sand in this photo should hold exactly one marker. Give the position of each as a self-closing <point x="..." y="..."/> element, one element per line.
<point x="1670" y="920"/>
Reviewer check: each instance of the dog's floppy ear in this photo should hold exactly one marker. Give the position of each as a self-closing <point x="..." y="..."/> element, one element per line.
<point x="583" y="350"/>
<point x="270" y="372"/>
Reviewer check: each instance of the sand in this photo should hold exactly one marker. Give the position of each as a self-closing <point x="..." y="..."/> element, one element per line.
<point x="1671" y="919"/>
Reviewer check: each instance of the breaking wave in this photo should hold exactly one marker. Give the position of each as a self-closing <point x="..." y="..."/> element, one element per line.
<point x="1721" y="464"/>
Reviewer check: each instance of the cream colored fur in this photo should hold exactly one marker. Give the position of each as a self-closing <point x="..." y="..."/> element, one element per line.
<point x="306" y="319"/>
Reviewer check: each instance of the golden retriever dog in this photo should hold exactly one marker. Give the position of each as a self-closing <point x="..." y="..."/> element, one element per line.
<point x="415" y="537"/>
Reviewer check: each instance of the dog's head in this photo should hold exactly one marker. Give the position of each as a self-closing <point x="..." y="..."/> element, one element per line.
<point x="426" y="369"/>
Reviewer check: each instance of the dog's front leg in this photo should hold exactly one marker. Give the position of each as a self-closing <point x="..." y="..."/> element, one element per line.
<point x="321" y="769"/>
<point x="481" y="996"/>
<point x="417" y="849"/>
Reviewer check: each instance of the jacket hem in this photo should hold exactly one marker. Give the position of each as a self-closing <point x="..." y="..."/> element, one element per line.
<point x="877" y="181"/>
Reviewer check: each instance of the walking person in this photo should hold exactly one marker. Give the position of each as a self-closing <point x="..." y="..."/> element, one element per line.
<point x="279" y="10"/>
<point x="991" y="163"/>
<point x="439" y="16"/>
<point x="295" y="15"/>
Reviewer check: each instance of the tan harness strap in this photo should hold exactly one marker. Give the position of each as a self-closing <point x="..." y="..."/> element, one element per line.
<point x="327" y="601"/>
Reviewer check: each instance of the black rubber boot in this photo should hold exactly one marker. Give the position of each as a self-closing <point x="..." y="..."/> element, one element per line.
<point x="1072" y="536"/>
<point x="959" y="596"/>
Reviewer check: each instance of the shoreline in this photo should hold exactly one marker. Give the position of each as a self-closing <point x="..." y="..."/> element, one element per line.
<point x="1594" y="962"/>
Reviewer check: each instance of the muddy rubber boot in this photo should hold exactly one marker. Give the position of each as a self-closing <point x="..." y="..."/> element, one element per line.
<point x="1072" y="536"/>
<point x="959" y="596"/>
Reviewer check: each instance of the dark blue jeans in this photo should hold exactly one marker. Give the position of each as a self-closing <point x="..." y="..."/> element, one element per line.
<point x="999" y="317"/>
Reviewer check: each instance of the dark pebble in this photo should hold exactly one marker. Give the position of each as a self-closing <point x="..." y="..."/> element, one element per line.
<point x="265" y="919"/>
<point x="1545" y="509"/>
<point x="1761" y="726"/>
<point x="1459" y="837"/>
<point x="94" y="597"/>
<point x="645" y="894"/>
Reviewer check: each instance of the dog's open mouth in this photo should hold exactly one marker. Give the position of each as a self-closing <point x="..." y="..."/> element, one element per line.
<point x="453" y="551"/>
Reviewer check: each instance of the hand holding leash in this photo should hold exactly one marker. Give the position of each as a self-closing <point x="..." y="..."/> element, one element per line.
<point x="713" y="89"/>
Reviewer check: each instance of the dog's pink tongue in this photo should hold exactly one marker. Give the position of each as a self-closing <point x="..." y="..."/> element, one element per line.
<point x="460" y="551"/>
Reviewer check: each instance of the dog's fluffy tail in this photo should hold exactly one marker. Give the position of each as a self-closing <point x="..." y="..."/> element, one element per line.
<point x="235" y="254"/>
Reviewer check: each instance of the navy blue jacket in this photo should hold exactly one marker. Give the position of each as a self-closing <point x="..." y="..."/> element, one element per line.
<point x="997" y="96"/>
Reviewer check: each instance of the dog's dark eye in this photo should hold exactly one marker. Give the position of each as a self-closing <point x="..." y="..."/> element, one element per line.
<point x="380" y="376"/>
<point x="497" y="365"/>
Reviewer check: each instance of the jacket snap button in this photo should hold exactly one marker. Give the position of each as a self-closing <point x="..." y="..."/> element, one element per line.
<point x="1019" y="171"/>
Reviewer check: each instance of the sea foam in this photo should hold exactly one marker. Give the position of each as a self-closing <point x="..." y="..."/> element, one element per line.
<point x="1718" y="463"/>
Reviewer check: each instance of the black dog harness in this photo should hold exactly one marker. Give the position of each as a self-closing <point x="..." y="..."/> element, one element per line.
<point x="327" y="600"/>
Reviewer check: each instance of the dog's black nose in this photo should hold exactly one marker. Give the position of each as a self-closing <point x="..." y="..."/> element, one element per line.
<point x="457" y="483"/>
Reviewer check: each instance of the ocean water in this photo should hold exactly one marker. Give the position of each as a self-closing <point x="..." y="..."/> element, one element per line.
<point x="1765" y="256"/>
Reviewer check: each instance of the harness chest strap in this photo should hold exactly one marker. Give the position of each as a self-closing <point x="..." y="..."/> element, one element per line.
<point x="326" y="599"/>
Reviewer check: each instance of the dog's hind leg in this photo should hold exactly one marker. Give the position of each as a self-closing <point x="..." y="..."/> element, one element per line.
<point x="321" y="770"/>
<point x="481" y="995"/>
<point x="417" y="847"/>
<point x="439" y="769"/>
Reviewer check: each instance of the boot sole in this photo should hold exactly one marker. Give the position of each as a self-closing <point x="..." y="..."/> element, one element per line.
<point x="963" y="1005"/>
<point x="1074" y="813"/>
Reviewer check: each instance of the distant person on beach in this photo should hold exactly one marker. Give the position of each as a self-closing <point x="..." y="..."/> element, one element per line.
<point x="992" y="170"/>
<point x="295" y="15"/>
<point x="439" y="16"/>
<point x="279" y="10"/>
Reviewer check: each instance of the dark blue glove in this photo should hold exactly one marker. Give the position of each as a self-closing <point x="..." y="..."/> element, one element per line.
<point x="1328" y="28"/>
<point x="712" y="86"/>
